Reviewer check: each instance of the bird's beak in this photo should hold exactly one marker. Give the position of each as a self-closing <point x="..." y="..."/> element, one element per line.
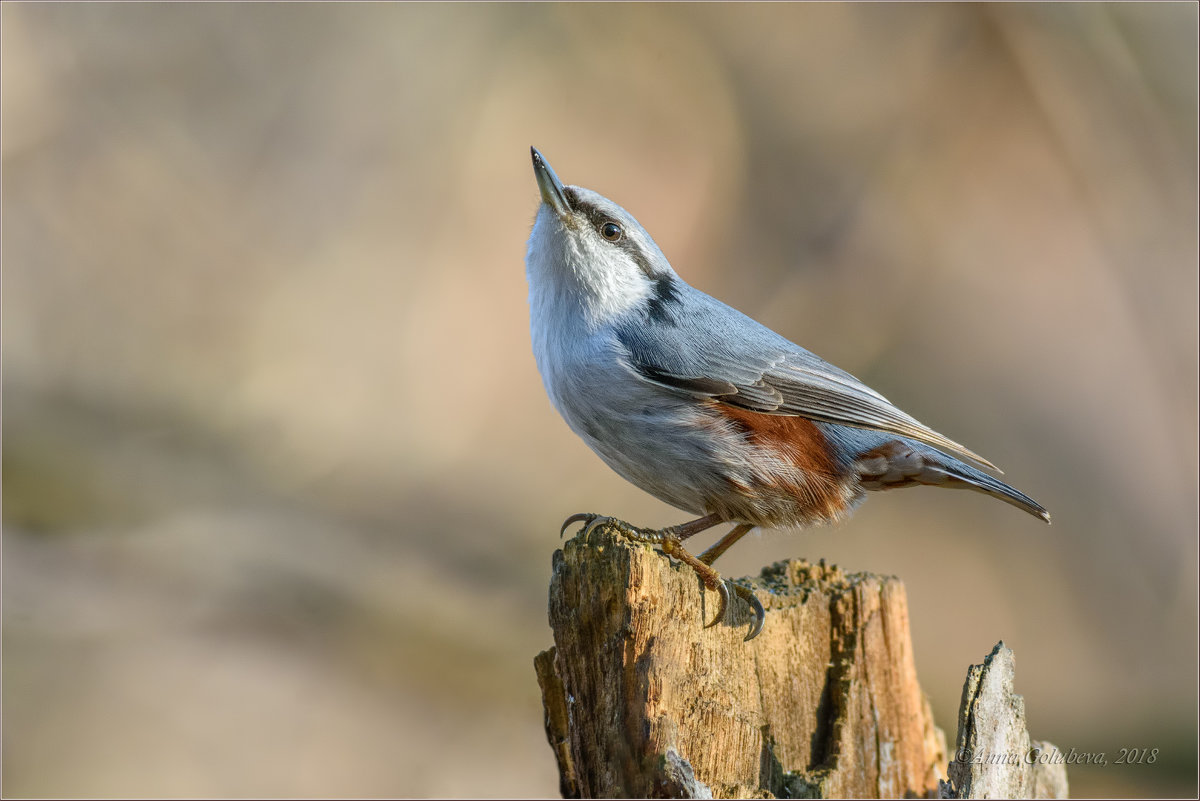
<point x="552" y="188"/>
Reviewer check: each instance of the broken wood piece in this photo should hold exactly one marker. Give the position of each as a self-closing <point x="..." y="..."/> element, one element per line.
<point x="993" y="754"/>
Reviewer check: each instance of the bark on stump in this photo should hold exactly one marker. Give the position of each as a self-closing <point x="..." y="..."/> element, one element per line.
<point x="642" y="701"/>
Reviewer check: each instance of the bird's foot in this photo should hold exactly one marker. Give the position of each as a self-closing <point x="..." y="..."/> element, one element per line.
<point x="671" y="546"/>
<point x="760" y="614"/>
<point x="591" y="520"/>
<point x="669" y="540"/>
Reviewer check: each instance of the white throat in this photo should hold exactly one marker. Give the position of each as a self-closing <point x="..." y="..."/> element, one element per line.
<point x="575" y="282"/>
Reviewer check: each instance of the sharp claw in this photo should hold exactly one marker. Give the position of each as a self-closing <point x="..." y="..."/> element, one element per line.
<point x="723" y="591"/>
<point x="760" y="614"/>
<point x="580" y="517"/>
<point x="597" y="520"/>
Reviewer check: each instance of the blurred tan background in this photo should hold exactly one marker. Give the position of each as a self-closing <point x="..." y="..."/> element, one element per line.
<point x="281" y="484"/>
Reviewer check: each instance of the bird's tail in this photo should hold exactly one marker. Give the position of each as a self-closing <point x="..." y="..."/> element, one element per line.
<point x="982" y="482"/>
<point x="956" y="475"/>
<point x="901" y="463"/>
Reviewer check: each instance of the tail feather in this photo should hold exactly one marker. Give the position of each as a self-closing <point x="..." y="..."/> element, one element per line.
<point x="902" y="463"/>
<point x="966" y="477"/>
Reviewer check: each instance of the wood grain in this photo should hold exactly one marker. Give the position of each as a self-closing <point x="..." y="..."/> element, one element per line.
<point x="642" y="701"/>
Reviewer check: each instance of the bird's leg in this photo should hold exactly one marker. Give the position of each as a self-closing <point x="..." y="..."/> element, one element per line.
<point x="714" y="552"/>
<point x="672" y="546"/>
<point x="680" y="532"/>
<point x="722" y="545"/>
<point x="712" y="579"/>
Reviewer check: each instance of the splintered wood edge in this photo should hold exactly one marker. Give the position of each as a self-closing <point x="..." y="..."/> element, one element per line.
<point x="557" y="720"/>
<point x="990" y="704"/>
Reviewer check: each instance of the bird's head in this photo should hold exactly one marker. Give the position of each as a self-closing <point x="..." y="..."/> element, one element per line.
<point x="589" y="252"/>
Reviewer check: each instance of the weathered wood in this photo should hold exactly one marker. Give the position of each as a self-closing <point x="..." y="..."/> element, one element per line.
<point x="993" y="754"/>
<point x="642" y="701"/>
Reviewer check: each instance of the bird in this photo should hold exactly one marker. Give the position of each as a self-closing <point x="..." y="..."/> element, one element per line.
<point x="703" y="407"/>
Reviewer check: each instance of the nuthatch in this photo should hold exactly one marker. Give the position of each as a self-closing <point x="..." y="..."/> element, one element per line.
<point x="701" y="406"/>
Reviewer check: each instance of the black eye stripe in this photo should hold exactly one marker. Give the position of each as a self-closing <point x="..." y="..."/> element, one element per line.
<point x="596" y="218"/>
<point x="593" y="215"/>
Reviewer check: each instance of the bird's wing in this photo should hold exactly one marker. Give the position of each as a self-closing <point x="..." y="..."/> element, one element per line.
<point x="711" y="350"/>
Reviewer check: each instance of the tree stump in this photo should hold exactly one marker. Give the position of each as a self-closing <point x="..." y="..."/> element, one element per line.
<point x="642" y="701"/>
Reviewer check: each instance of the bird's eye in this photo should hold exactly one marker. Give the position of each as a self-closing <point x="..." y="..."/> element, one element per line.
<point x="611" y="231"/>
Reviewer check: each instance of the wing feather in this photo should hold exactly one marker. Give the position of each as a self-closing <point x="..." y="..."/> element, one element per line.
<point x="733" y="359"/>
